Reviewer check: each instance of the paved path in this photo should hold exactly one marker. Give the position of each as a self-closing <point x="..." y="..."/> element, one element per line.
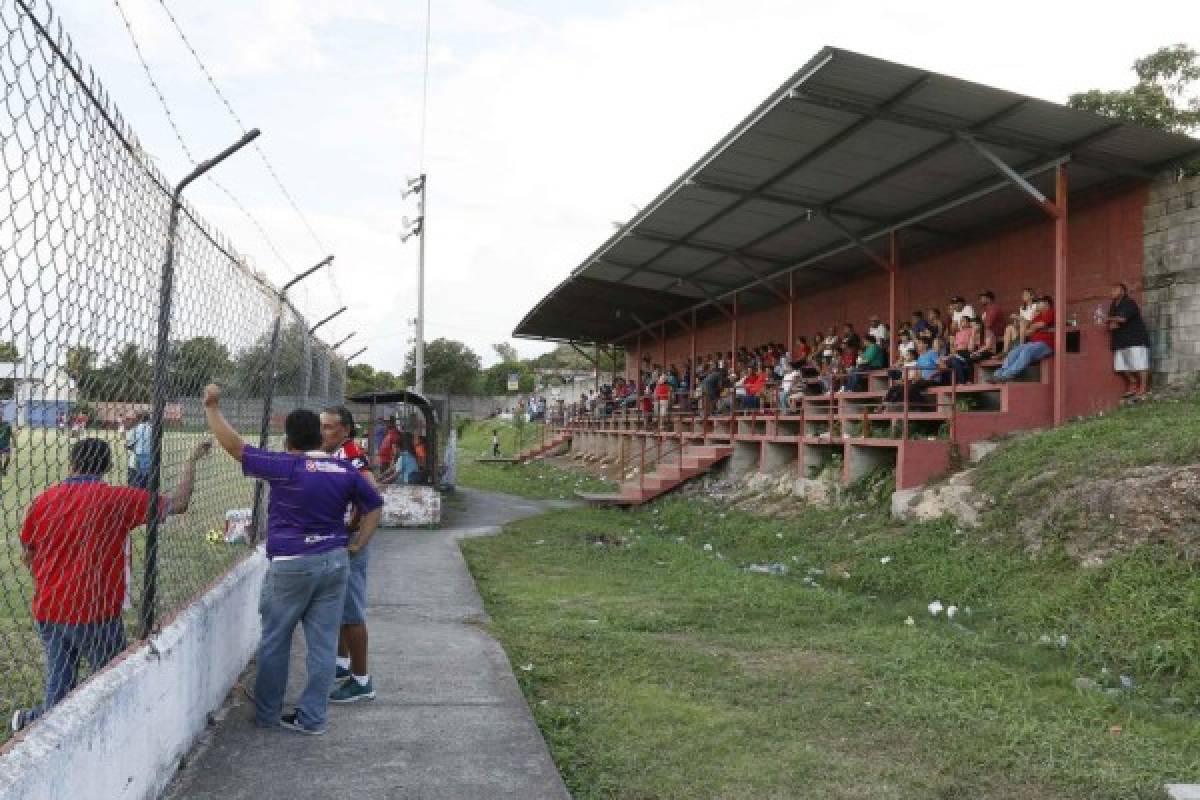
<point x="449" y="721"/>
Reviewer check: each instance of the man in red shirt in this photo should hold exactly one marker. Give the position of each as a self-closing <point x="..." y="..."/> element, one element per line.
<point x="992" y="314"/>
<point x="73" y="541"/>
<point x="387" y="449"/>
<point x="1039" y="345"/>
<point x="352" y="680"/>
<point x="754" y="383"/>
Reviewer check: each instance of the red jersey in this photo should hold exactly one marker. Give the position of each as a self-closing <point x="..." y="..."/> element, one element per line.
<point x="1046" y="334"/>
<point x="755" y="383"/>
<point x="352" y="452"/>
<point x="75" y="533"/>
<point x="387" y="450"/>
<point x="662" y="391"/>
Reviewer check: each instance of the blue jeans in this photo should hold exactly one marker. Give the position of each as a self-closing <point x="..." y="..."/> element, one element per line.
<point x="354" y="610"/>
<point x="1021" y="357"/>
<point x="308" y="590"/>
<point x="97" y="643"/>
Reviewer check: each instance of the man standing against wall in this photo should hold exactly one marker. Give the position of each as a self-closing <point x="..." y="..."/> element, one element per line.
<point x="352" y="680"/>
<point x="1130" y="342"/>
<point x="309" y="549"/>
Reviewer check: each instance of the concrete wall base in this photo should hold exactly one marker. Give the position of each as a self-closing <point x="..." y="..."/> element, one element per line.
<point x="121" y="735"/>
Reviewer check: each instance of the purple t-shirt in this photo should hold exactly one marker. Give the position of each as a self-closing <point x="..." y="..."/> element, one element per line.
<point x="309" y="495"/>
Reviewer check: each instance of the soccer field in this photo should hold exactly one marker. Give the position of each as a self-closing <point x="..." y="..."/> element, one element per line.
<point x="188" y="563"/>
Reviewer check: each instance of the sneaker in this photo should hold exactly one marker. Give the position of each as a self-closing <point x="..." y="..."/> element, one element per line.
<point x="341" y="675"/>
<point x="352" y="691"/>
<point x="20" y="719"/>
<point x="290" y="722"/>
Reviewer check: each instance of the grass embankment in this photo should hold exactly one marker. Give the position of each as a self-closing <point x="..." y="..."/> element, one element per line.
<point x="536" y="480"/>
<point x="658" y="668"/>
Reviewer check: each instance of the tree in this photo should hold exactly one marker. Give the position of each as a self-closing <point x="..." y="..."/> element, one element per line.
<point x="495" y="378"/>
<point x="450" y="367"/>
<point x="128" y="378"/>
<point x="197" y="362"/>
<point x="363" y="378"/>
<point x="1162" y="98"/>
<point x="507" y="353"/>
<point x="9" y="353"/>
<point x="81" y="360"/>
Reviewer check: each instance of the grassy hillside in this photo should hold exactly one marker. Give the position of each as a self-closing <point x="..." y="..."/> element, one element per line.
<point x="536" y="480"/>
<point x="659" y="667"/>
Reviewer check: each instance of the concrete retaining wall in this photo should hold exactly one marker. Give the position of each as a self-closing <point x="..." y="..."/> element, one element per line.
<point x="1172" y="283"/>
<point x="121" y="735"/>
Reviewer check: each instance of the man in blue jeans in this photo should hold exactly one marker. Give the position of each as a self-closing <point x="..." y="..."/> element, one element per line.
<point x="1038" y="346"/>
<point x="73" y="541"/>
<point x="308" y="546"/>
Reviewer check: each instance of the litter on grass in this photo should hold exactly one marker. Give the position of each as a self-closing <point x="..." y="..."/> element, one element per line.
<point x="935" y="607"/>
<point x="910" y="621"/>
<point x="766" y="569"/>
<point x="885" y="560"/>
<point x="708" y="548"/>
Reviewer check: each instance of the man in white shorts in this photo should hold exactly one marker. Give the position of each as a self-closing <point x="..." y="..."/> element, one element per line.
<point x="1130" y="342"/>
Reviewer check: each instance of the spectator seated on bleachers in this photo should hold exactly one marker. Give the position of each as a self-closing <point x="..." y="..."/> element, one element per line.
<point x="1039" y="346"/>
<point x="871" y="358"/>
<point x="929" y="370"/>
<point x="1017" y="331"/>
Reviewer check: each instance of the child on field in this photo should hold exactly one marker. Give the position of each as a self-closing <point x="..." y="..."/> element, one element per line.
<point x="495" y="444"/>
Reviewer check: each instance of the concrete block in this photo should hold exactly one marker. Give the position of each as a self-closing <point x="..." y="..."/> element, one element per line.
<point x="411" y="506"/>
<point x="1183" y="791"/>
<point x="981" y="450"/>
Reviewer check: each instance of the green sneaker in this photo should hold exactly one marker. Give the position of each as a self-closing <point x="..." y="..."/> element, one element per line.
<point x="341" y="675"/>
<point x="351" y="692"/>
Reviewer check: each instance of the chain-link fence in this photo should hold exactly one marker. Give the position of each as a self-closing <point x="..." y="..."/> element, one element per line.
<point x="101" y="358"/>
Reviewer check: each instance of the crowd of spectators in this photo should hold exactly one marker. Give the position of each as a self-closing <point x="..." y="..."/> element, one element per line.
<point x="935" y="347"/>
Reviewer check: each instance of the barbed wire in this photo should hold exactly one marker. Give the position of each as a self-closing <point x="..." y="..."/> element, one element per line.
<point x="174" y="125"/>
<point x="274" y="174"/>
<point x="83" y="224"/>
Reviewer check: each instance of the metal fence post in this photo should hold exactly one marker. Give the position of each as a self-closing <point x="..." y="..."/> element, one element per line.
<point x="269" y="386"/>
<point x="166" y="290"/>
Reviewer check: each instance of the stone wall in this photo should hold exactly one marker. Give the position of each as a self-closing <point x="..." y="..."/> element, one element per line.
<point x="1171" y="300"/>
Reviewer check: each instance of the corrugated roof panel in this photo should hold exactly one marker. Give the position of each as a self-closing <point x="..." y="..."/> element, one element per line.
<point x="796" y="148"/>
<point x="635" y="250"/>
<point x="950" y="101"/>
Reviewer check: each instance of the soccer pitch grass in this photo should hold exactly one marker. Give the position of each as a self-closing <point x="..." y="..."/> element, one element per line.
<point x="187" y="562"/>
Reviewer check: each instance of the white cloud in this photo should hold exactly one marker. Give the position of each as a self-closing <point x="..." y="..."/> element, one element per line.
<point x="543" y="128"/>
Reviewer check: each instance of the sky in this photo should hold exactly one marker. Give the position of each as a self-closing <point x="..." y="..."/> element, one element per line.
<point x="548" y="122"/>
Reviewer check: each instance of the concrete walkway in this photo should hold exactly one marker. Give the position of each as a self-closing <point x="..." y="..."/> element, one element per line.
<point x="449" y="720"/>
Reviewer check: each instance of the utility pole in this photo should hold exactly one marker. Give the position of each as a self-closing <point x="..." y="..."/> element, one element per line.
<point x="417" y="228"/>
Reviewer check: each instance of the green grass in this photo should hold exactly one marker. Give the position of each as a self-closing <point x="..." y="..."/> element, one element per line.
<point x="187" y="563"/>
<point x="659" y="669"/>
<point x="535" y="480"/>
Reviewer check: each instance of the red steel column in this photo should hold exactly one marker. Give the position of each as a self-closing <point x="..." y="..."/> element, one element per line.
<point x="637" y="366"/>
<point x="733" y="337"/>
<point x="663" y="332"/>
<point x="693" y="350"/>
<point x="894" y="267"/>
<point x="596" y="365"/>
<point x="1060" y="293"/>
<point x="791" y="326"/>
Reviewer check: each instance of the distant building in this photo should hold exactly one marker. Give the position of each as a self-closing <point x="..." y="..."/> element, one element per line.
<point x="36" y="396"/>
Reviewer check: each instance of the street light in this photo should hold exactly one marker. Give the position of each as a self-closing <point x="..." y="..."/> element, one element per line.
<point x="417" y="228"/>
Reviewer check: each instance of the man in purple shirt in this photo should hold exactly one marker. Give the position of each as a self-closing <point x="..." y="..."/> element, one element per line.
<point x="307" y="544"/>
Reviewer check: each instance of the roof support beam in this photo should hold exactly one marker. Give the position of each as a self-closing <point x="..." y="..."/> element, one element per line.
<point x="703" y="248"/>
<point x="858" y="242"/>
<point x="759" y="279"/>
<point x="820" y="150"/>
<point x="645" y="328"/>
<point x="1012" y="175"/>
<point x="593" y="361"/>
<point x="1035" y="146"/>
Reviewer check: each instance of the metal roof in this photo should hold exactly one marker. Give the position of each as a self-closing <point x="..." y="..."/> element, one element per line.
<point x="850" y="147"/>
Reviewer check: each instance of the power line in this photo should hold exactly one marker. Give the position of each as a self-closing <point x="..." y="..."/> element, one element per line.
<point x="261" y="153"/>
<point x="174" y="125"/>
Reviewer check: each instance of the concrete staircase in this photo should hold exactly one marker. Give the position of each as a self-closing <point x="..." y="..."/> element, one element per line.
<point x="544" y="449"/>
<point x="671" y="471"/>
